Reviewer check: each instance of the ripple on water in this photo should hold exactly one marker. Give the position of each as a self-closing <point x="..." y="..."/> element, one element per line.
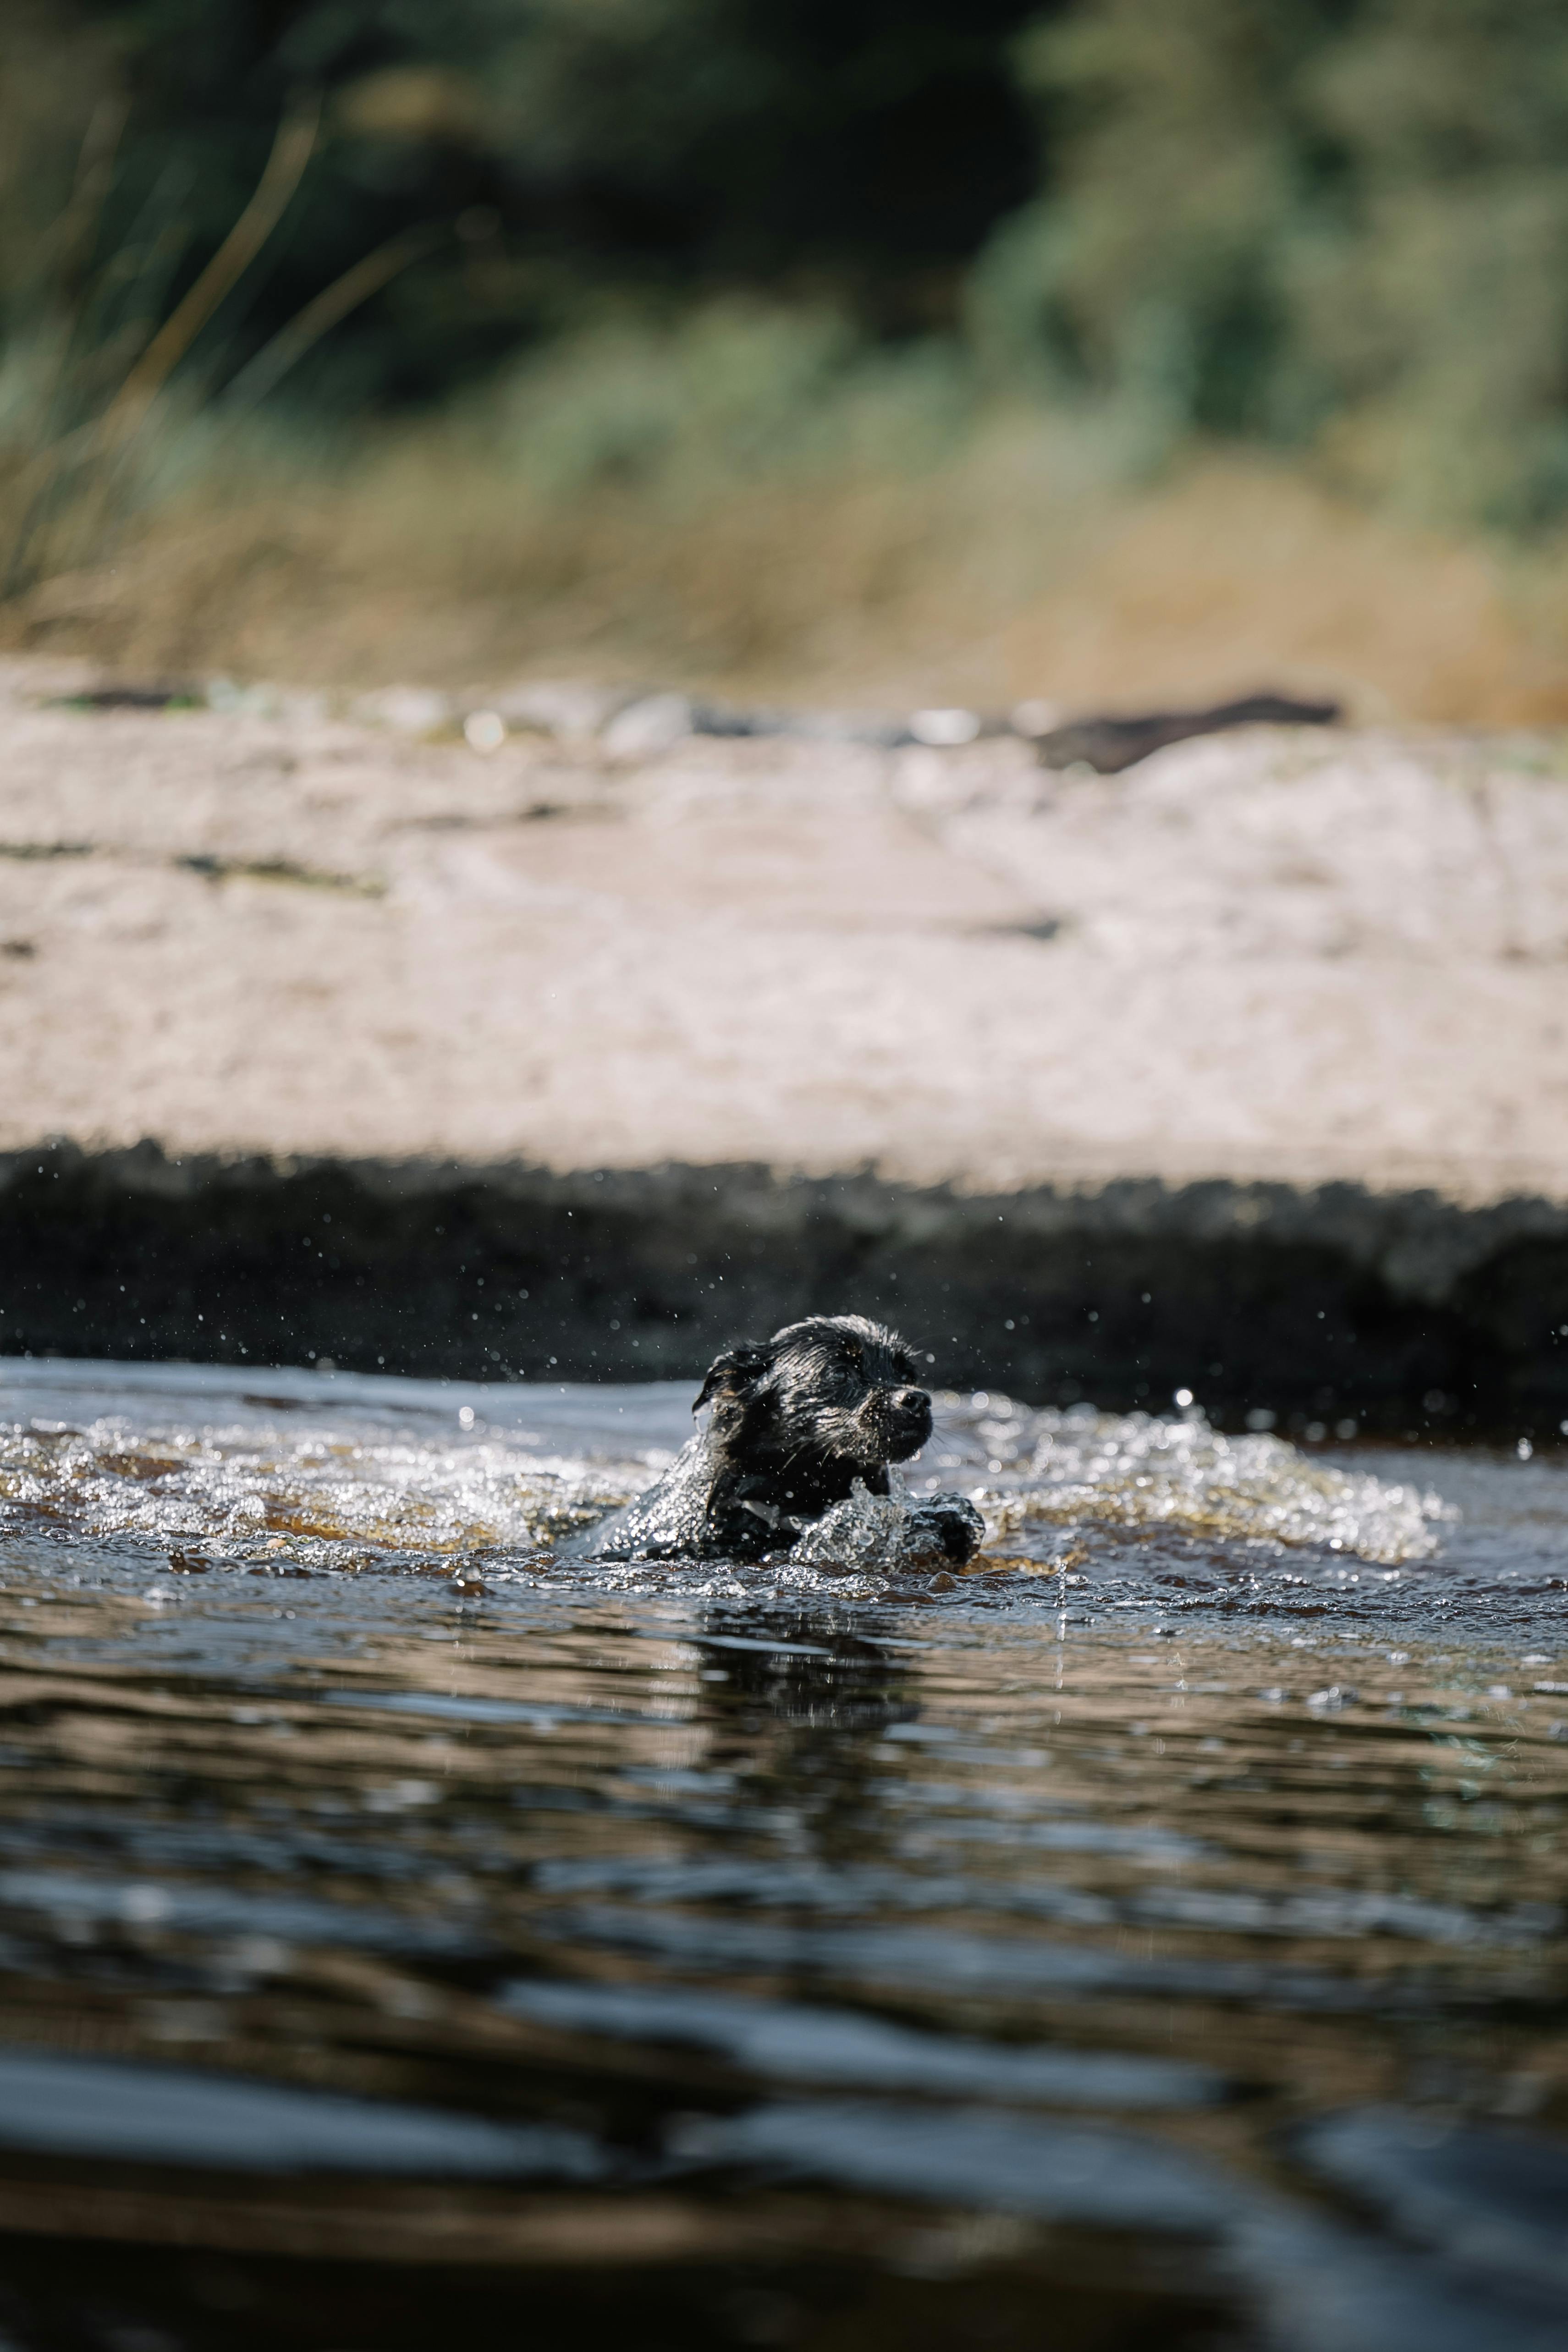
<point x="54" y="2105"/>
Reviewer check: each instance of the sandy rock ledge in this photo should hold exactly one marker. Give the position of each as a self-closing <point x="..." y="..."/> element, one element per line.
<point x="1284" y="1010"/>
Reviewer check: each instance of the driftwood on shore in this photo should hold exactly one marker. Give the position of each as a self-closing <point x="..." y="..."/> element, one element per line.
<point x="1109" y="745"/>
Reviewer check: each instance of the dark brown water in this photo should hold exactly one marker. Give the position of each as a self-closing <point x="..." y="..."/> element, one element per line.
<point x="1154" y="1940"/>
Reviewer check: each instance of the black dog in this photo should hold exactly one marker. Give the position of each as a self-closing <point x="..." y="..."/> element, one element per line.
<point x="796" y="1421"/>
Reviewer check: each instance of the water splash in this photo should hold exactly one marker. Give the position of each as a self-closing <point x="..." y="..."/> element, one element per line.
<point x="1133" y="1471"/>
<point x="317" y="1495"/>
<point x="863" y="1535"/>
<point x="213" y="1477"/>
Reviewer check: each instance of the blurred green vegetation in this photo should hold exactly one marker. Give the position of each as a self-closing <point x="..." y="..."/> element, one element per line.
<point x="646" y="249"/>
<point x="1336" y="225"/>
<point x="580" y="149"/>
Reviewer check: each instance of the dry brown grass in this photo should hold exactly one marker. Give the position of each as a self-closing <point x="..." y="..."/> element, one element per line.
<point x="1011" y="569"/>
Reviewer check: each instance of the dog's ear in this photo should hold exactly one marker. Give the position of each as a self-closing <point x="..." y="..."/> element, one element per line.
<point x="731" y="1374"/>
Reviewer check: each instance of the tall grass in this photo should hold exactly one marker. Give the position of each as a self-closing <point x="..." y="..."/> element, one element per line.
<point x="741" y="493"/>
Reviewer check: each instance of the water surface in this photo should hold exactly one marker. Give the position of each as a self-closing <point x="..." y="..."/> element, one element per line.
<point x="1154" y="1937"/>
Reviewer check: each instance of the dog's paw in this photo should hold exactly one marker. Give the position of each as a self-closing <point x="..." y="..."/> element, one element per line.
<point x="944" y="1531"/>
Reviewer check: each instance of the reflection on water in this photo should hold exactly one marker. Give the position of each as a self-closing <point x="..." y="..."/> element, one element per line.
<point x="1154" y="1939"/>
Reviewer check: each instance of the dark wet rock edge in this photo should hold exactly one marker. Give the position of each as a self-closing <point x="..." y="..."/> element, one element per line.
<point x="1405" y="1311"/>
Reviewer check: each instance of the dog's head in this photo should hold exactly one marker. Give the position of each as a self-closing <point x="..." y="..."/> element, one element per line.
<point x="837" y="1387"/>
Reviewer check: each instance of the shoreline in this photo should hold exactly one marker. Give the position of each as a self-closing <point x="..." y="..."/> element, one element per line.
<point x="1405" y="1312"/>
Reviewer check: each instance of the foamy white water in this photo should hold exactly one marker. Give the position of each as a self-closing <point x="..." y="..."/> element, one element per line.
<point x="330" y="1471"/>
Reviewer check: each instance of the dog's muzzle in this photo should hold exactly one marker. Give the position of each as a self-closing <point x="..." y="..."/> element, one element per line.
<point x="901" y="1418"/>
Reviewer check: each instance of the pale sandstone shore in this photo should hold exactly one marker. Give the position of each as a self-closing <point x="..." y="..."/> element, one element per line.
<point x="1286" y="956"/>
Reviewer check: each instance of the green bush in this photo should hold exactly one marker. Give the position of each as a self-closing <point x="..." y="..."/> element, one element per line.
<point x="725" y="391"/>
<point x="1326" y="224"/>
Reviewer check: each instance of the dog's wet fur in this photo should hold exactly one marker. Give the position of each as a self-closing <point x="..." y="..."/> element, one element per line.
<point x="797" y="1421"/>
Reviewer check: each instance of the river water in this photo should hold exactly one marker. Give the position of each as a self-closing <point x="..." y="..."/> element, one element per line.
<point x="1151" y="1939"/>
